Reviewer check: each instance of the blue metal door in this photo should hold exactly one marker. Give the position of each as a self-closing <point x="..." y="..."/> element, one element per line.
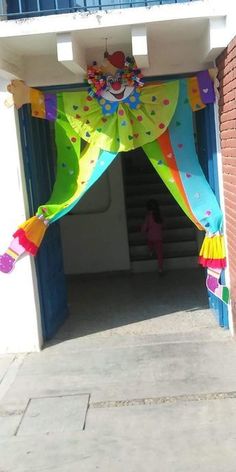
<point x="39" y="171"/>
<point x="207" y="152"/>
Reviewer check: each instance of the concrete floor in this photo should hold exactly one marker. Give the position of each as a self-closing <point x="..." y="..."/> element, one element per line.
<point x="138" y="304"/>
<point x="140" y="378"/>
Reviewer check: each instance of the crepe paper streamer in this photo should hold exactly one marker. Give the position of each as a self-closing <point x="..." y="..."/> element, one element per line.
<point x="206" y="87"/>
<point x="37" y="103"/>
<point x="101" y="160"/>
<point x="194" y="96"/>
<point x="76" y="171"/>
<point x="50" y="106"/>
<point x="201" y="198"/>
<point x="80" y="177"/>
<point x="164" y="141"/>
<point x="127" y="128"/>
<point x="214" y="286"/>
<point x="212" y="253"/>
<point x="155" y="155"/>
<point x="67" y="182"/>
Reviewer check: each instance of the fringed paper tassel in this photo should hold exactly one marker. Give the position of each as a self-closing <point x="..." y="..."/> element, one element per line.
<point x="27" y="238"/>
<point x="31" y="233"/>
<point x="212" y="256"/>
<point x="212" y="253"/>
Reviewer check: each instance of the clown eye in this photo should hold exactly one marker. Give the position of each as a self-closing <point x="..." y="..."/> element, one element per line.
<point x="118" y="78"/>
<point x="110" y="79"/>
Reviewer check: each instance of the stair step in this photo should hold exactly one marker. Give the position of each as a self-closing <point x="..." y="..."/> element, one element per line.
<point x="169" y="235"/>
<point x="171" y="222"/>
<point x="180" y="245"/>
<point x="170" y="249"/>
<point x="171" y="263"/>
<point x="166" y="211"/>
<point x="135" y="201"/>
<point x="142" y="178"/>
<point x="145" y="189"/>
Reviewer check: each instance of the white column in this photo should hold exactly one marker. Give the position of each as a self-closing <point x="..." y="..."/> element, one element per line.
<point x="20" y="326"/>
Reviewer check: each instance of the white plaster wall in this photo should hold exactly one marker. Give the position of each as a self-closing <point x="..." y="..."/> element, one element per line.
<point x="20" y="329"/>
<point x="96" y="239"/>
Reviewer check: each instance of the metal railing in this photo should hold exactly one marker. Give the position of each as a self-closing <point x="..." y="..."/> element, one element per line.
<point x="14" y="9"/>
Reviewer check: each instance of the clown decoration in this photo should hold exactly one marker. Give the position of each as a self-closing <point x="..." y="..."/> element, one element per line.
<point x="120" y="112"/>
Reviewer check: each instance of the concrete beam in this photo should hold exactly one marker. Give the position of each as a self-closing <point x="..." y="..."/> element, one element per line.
<point x="70" y="53"/>
<point x="140" y="46"/>
<point x="217" y="37"/>
<point x="9" y="71"/>
<point x="10" y="64"/>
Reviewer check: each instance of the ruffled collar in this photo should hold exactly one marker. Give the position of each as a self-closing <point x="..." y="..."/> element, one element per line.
<point x="108" y="107"/>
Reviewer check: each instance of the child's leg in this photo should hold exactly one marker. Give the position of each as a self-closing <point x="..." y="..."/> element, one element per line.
<point x="151" y="247"/>
<point x="159" y="254"/>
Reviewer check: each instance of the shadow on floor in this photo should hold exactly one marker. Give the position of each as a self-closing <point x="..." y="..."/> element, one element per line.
<point x="98" y="303"/>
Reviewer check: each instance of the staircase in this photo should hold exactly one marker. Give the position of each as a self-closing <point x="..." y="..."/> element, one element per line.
<point x="141" y="183"/>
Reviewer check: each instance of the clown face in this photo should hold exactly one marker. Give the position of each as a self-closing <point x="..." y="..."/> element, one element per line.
<point x="116" y="91"/>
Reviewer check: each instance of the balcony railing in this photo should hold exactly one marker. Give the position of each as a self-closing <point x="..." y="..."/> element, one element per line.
<point x="14" y="9"/>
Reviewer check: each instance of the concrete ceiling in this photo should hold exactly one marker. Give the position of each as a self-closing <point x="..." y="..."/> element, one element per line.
<point x="164" y="32"/>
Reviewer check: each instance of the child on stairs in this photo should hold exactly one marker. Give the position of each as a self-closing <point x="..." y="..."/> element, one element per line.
<point x="153" y="228"/>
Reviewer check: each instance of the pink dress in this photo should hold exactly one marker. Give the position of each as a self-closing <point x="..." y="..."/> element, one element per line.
<point x="152" y="229"/>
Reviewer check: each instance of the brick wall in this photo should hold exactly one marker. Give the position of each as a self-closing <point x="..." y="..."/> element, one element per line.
<point x="226" y="64"/>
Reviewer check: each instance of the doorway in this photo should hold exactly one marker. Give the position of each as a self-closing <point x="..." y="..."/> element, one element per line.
<point x="39" y="170"/>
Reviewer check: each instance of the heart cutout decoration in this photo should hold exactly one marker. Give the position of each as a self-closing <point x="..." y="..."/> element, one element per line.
<point x="117" y="59"/>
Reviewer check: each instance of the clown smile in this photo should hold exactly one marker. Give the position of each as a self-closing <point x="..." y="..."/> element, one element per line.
<point x="119" y="95"/>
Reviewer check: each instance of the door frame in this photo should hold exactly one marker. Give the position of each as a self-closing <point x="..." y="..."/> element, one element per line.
<point x="206" y="121"/>
<point x="32" y="137"/>
<point x="211" y="169"/>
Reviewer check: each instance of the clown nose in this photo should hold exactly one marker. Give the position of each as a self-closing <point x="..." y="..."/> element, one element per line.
<point x="116" y="85"/>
